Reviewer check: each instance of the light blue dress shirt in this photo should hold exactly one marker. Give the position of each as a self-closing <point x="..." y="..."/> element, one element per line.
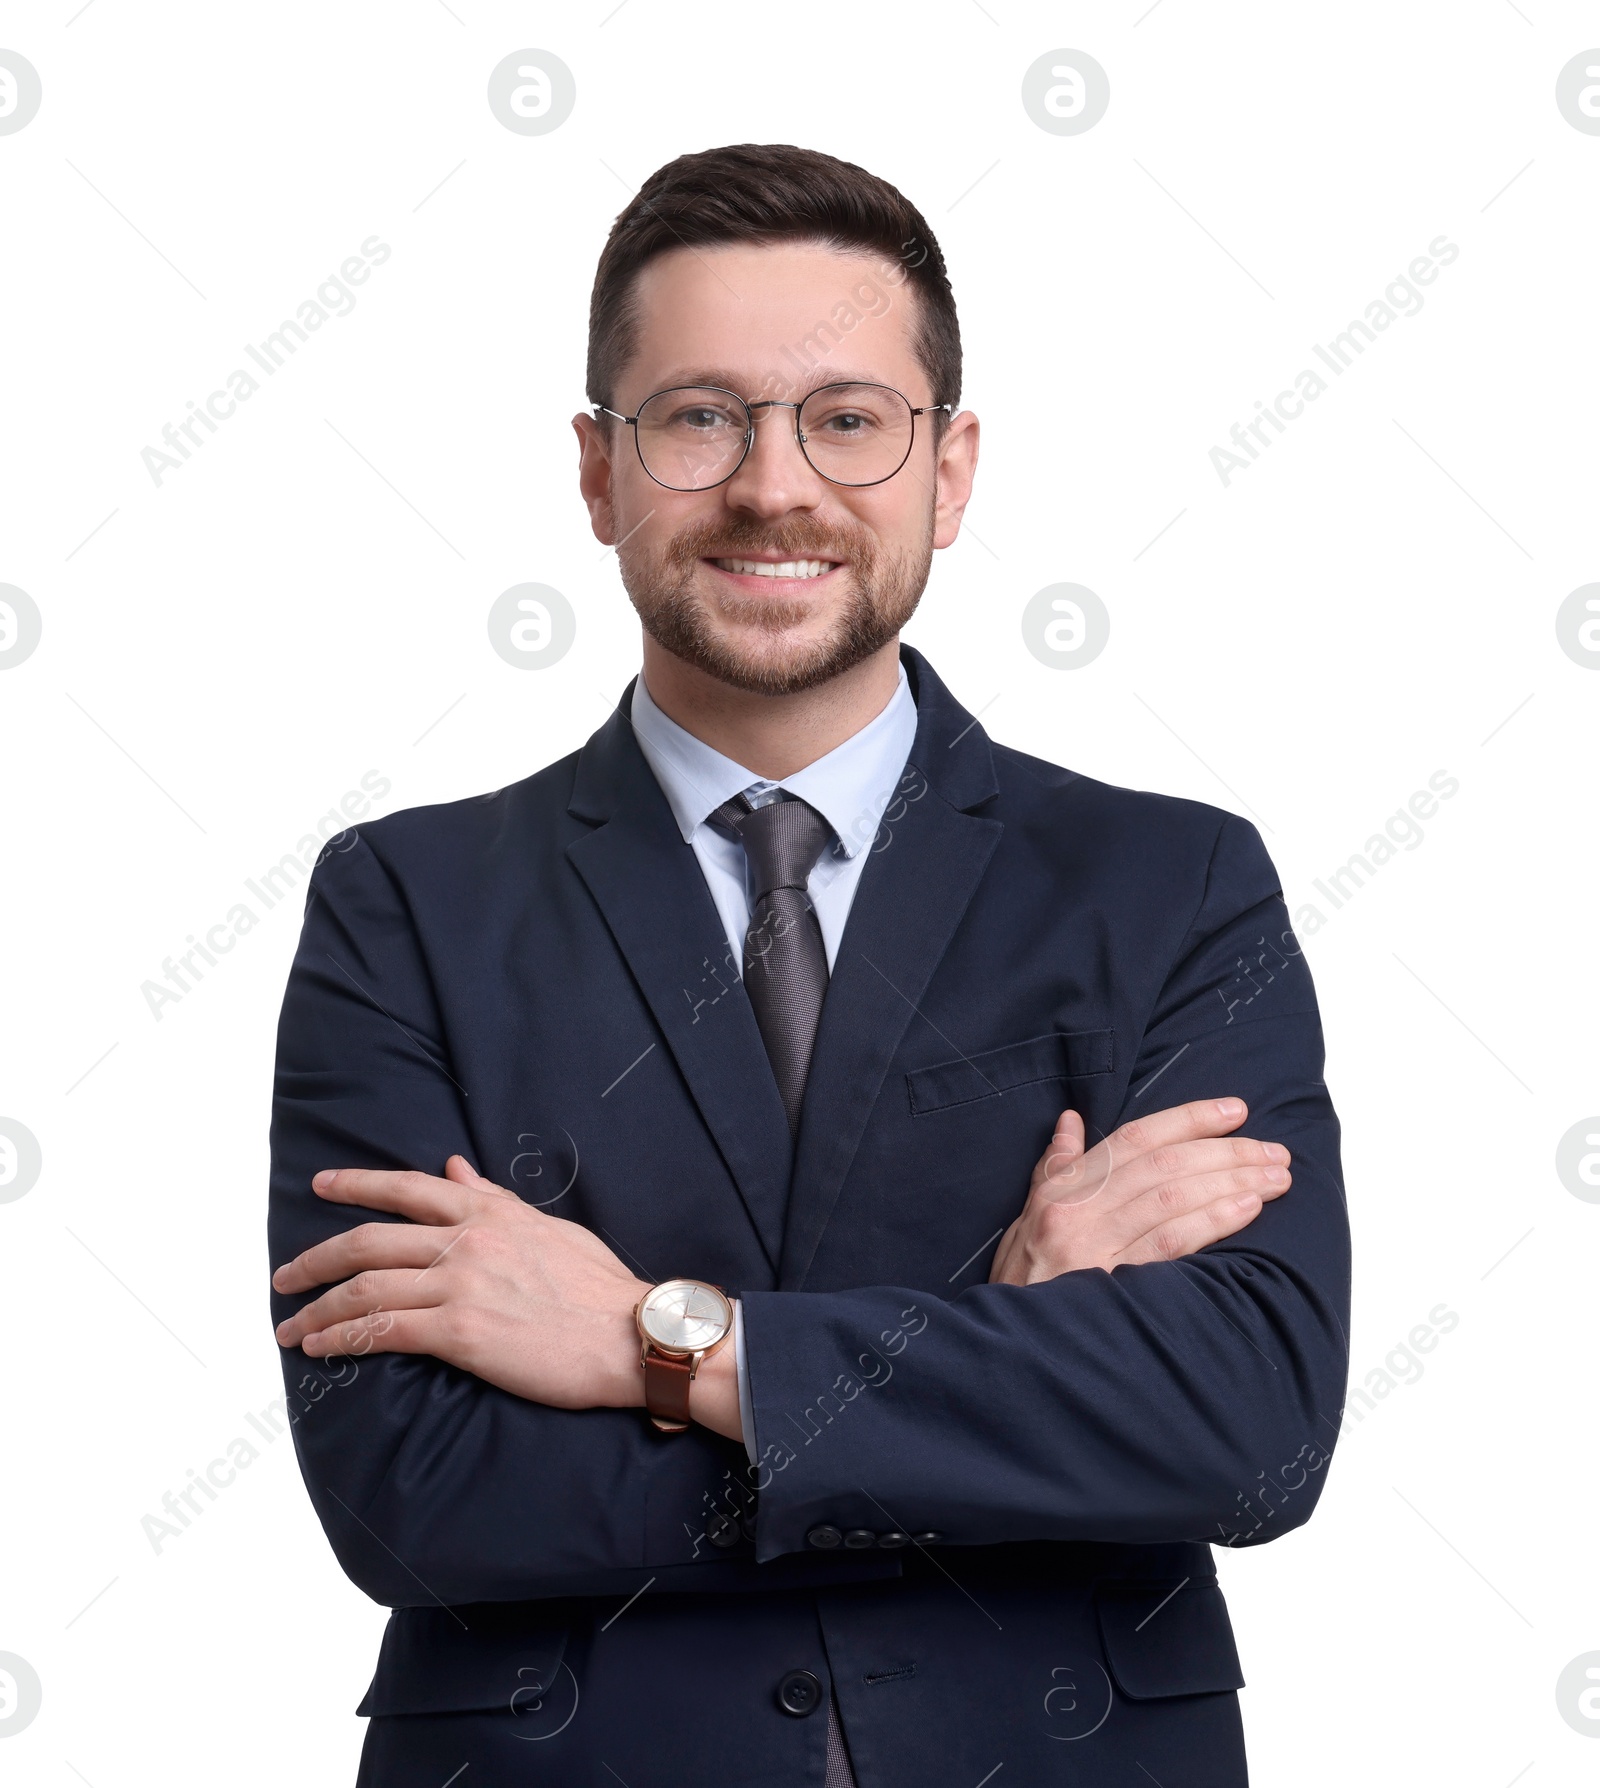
<point x="850" y="787"/>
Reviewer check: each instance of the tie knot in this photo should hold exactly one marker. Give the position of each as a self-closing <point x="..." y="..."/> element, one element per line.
<point x="782" y="840"/>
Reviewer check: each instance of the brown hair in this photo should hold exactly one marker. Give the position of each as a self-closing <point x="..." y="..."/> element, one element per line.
<point x="769" y="192"/>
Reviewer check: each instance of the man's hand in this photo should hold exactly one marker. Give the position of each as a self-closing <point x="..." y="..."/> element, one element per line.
<point x="1159" y="1188"/>
<point x="532" y="1303"/>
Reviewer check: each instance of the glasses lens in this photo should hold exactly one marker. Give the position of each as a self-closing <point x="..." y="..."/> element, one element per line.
<point x="856" y="434"/>
<point x="691" y="437"/>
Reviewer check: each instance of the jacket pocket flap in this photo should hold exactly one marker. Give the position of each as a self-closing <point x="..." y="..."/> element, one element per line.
<point x="1064" y="1056"/>
<point x="1165" y="1638"/>
<point x="486" y="1655"/>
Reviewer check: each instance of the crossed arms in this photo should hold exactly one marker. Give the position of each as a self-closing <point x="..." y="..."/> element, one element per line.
<point x="1149" y="1361"/>
<point x="543" y="1308"/>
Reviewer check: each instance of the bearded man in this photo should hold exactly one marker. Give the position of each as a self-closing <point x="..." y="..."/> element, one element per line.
<point x="773" y="1280"/>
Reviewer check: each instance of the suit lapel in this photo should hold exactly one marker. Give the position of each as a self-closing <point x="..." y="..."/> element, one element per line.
<point x="648" y="885"/>
<point x="913" y="893"/>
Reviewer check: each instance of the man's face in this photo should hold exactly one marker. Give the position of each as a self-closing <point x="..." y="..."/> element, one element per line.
<point x="849" y="563"/>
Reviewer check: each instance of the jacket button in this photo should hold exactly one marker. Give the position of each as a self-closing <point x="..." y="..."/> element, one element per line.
<point x="800" y="1693"/>
<point x="824" y="1538"/>
<point x="894" y="1538"/>
<point x="859" y="1537"/>
<point x="927" y="1539"/>
<point x="722" y="1529"/>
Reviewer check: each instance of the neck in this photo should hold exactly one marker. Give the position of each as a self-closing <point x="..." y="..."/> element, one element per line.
<point x="773" y="735"/>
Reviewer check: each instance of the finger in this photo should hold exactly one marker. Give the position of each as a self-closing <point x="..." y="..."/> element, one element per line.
<point x="1177" y="1123"/>
<point x="1179" y="1200"/>
<point x="1175" y="1161"/>
<point x="461" y="1172"/>
<point x="1186" y="1235"/>
<point x="424" y="1197"/>
<point x="367" y="1294"/>
<point x="385" y="1331"/>
<point x="369" y="1245"/>
<point x="1066" y="1146"/>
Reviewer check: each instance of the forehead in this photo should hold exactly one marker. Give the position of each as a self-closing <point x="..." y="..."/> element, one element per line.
<point x="786" y="315"/>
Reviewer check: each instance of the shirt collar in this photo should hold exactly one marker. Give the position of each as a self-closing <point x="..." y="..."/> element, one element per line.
<point x="850" y="786"/>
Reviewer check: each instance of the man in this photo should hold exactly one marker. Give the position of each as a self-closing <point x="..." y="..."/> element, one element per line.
<point x="678" y="1341"/>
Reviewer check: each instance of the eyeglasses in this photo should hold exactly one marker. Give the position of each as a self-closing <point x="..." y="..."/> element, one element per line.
<point x="695" y="437"/>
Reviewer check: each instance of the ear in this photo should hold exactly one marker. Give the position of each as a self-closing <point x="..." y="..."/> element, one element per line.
<point x="594" y="476"/>
<point x="953" y="473"/>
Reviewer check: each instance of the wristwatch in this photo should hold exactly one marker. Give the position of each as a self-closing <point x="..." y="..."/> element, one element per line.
<point x="681" y="1322"/>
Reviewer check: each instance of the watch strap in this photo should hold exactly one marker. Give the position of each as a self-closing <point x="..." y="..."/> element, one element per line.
<point x="666" y="1389"/>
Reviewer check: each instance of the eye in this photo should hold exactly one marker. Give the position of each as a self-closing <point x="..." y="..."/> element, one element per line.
<point x="702" y="416"/>
<point x="847" y="422"/>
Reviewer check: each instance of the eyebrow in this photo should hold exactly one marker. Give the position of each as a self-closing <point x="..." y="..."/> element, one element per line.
<point x="727" y="381"/>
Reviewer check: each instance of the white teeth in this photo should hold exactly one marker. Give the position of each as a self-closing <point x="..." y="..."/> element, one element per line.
<point x="785" y="568"/>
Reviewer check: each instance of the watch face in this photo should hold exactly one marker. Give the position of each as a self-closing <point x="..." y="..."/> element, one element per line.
<point x="685" y="1316"/>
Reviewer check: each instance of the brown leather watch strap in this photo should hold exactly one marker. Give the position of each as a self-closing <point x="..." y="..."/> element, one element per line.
<point x="666" y="1390"/>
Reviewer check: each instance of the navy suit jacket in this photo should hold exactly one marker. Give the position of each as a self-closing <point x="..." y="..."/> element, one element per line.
<point x="983" y="1515"/>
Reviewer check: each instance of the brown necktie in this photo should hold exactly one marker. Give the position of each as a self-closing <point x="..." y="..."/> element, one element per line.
<point x="785" y="963"/>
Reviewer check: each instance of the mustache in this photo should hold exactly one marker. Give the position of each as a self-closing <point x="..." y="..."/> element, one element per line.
<point x="792" y="540"/>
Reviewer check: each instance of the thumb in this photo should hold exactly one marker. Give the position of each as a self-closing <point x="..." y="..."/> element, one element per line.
<point x="1066" y="1149"/>
<point x="1068" y="1139"/>
<point x="461" y="1170"/>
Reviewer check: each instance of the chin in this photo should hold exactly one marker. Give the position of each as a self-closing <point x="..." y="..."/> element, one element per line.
<point x="769" y="664"/>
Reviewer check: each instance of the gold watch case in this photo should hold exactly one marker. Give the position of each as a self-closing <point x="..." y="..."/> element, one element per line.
<point x="684" y="1317"/>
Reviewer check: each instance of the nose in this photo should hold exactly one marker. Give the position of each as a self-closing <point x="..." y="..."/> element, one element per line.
<point x="776" y="477"/>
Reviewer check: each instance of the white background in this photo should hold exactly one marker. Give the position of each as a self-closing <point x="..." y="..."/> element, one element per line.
<point x="225" y="654"/>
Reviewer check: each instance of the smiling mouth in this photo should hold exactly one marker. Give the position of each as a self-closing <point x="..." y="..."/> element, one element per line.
<point x="776" y="568"/>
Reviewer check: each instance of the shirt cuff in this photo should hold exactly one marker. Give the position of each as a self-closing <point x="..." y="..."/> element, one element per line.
<point x="747" y="1413"/>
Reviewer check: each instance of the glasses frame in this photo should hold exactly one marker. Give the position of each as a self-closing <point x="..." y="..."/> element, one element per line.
<point x="773" y="403"/>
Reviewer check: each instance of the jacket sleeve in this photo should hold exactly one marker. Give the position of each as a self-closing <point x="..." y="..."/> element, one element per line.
<point x="1181" y="1400"/>
<point x="432" y="1485"/>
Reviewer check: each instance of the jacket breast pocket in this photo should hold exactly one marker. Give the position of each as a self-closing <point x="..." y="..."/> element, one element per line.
<point x="1063" y="1055"/>
<point x="489" y="1655"/>
<point x="1167" y="1638"/>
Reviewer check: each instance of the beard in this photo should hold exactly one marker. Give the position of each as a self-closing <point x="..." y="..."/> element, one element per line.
<point x="885" y="586"/>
